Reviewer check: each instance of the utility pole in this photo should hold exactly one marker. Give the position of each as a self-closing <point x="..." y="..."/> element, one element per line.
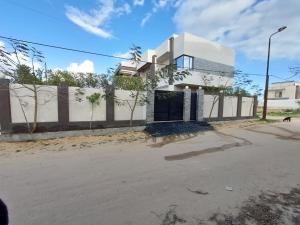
<point x="267" y="74"/>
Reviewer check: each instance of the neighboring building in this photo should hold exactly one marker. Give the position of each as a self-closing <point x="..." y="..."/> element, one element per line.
<point x="209" y="63"/>
<point x="284" y="95"/>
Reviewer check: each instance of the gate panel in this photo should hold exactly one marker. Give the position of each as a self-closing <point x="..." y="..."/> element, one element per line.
<point x="193" y="106"/>
<point x="168" y="105"/>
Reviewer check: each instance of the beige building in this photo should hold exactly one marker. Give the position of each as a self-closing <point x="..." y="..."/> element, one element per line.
<point x="284" y="95"/>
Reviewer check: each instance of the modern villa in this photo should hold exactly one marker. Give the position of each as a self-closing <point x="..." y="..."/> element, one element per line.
<point x="209" y="63"/>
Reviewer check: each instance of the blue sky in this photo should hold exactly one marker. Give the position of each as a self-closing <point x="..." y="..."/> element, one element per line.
<point x="112" y="26"/>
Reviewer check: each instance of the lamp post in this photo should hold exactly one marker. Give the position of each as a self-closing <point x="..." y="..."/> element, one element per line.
<point x="267" y="74"/>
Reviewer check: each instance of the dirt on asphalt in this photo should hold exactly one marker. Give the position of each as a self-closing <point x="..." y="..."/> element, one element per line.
<point x="61" y="144"/>
<point x="82" y="142"/>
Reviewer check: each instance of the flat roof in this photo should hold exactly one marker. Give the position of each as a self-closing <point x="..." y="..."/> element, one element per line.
<point x="282" y="82"/>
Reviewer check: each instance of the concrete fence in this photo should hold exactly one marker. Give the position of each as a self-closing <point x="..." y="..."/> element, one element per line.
<point x="221" y="107"/>
<point x="62" y="108"/>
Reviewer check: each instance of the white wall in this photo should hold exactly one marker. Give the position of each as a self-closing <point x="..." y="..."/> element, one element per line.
<point x="208" y="106"/>
<point x="197" y="78"/>
<point x="122" y="111"/>
<point x="284" y="104"/>
<point x="47" y="103"/>
<point x="247" y="106"/>
<point x="81" y="111"/>
<point x="230" y="106"/>
<point x="199" y="47"/>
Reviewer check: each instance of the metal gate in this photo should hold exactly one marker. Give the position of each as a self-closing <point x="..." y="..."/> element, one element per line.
<point x="168" y="105"/>
<point x="193" y="106"/>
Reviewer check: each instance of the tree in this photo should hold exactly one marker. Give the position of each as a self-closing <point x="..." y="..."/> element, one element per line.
<point x="138" y="84"/>
<point x="15" y="64"/>
<point x="242" y="85"/>
<point x="94" y="100"/>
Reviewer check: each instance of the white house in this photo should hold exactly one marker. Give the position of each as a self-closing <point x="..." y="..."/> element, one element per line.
<point x="209" y="63"/>
<point x="284" y="95"/>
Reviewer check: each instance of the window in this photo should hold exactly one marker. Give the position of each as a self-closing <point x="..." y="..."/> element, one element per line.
<point x="278" y="94"/>
<point x="185" y="62"/>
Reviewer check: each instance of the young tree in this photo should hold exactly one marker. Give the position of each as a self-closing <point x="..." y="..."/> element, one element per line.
<point x="242" y="85"/>
<point x="94" y="99"/>
<point x="15" y="65"/>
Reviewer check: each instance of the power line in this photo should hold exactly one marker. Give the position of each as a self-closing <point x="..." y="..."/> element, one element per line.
<point x="118" y="57"/>
<point x="18" y="4"/>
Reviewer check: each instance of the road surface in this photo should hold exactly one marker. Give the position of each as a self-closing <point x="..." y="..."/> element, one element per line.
<point x="136" y="183"/>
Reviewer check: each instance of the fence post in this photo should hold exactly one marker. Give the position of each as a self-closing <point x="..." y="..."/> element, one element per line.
<point x="187" y="104"/>
<point x="200" y="104"/>
<point x="150" y="106"/>
<point x="255" y="106"/>
<point x="151" y="94"/>
<point x="221" y="105"/>
<point x="110" y="103"/>
<point x="5" y="111"/>
<point x="239" y="106"/>
<point x="63" y="105"/>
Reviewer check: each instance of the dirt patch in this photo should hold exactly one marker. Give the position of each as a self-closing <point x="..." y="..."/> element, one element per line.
<point x="267" y="208"/>
<point x="170" y="217"/>
<point x="82" y="142"/>
<point x="224" y="147"/>
<point x="240" y="123"/>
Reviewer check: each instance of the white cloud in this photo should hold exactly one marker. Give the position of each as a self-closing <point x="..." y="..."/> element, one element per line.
<point x="125" y="55"/>
<point x="87" y="66"/>
<point x="95" y="21"/>
<point x="138" y="2"/>
<point x="244" y="24"/>
<point x="145" y="19"/>
<point x="159" y="5"/>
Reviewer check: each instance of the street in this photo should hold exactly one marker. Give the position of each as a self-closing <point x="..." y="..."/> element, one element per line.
<point x="137" y="182"/>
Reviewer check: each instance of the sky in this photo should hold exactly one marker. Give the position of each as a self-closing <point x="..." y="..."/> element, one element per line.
<point x="112" y="26"/>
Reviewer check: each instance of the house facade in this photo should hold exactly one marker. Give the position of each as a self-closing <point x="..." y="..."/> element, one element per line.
<point x="284" y="95"/>
<point x="209" y="63"/>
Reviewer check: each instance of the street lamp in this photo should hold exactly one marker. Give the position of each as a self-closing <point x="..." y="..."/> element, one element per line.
<point x="267" y="74"/>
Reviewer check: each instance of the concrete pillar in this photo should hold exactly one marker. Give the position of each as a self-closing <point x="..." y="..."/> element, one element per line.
<point x="63" y="106"/>
<point x="150" y="106"/>
<point x="151" y="94"/>
<point x="5" y="113"/>
<point x="187" y="104"/>
<point x="255" y="106"/>
<point x="110" y="103"/>
<point x="200" y="104"/>
<point x="239" y="106"/>
<point x="153" y="66"/>
<point x="171" y="58"/>
<point x="221" y="106"/>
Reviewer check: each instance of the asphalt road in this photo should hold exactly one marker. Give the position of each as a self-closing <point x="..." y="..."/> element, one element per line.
<point x="136" y="183"/>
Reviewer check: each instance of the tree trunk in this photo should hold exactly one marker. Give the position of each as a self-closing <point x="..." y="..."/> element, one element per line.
<point x="133" y="108"/>
<point x="92" y="114"/>
<point x="213" y="105"/>
<point x="34" y="125"/>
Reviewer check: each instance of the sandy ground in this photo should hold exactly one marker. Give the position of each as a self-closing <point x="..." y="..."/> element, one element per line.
<point x="132" y="179"/>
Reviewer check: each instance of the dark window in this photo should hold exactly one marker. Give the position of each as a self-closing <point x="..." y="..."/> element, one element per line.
<point x="185" y="62"/>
